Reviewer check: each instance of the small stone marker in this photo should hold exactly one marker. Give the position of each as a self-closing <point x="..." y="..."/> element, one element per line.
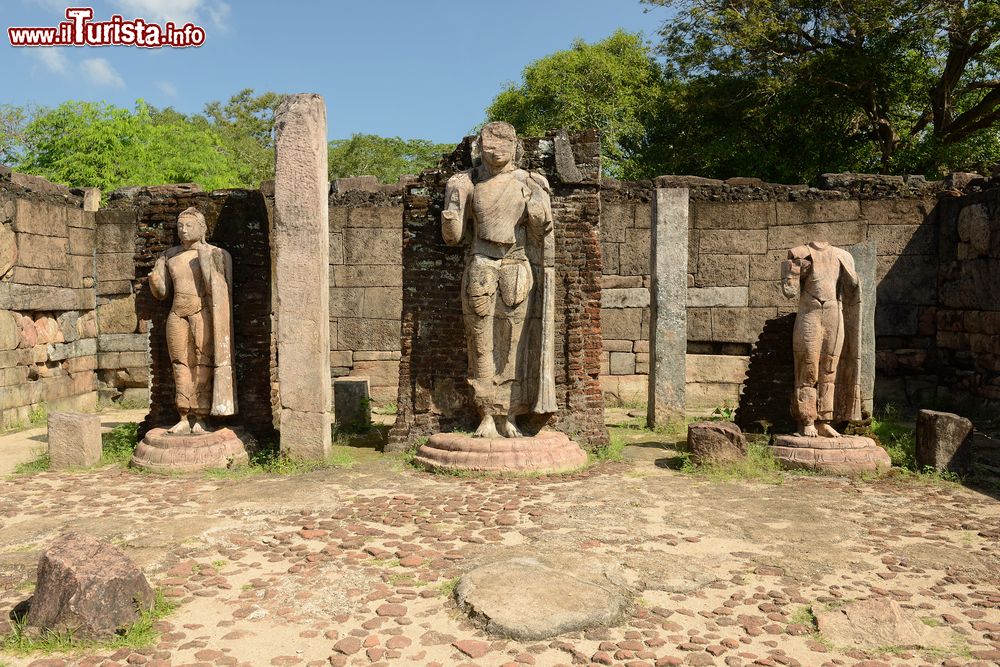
<point x="88" y="587"/>
<point x="944" y="441"/>
<point x="74" y="440"/>
<point x="716" y="442"/>
<point x="527" y="600"/>
<point x="351" y="402"/>
<point x="878" y="622"/>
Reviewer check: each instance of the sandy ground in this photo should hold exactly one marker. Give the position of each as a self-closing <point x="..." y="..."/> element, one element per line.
<point x="354" y="566"/>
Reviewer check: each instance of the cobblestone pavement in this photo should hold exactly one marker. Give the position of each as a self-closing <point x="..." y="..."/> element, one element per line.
<point x="355" y="566"/>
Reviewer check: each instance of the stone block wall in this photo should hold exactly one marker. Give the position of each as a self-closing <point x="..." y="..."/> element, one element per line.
<point x="238" y="222"/>
<point x="48" y="329"/>
<point x="740" y="231"/>
<point x="433" y="393"/>
<point x="366" y="278"/>
<point x="968" y="313"/>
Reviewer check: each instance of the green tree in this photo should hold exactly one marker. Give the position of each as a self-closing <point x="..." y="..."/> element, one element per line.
<point x="386" y="158"/>
<point x="103" y="146"/>
<point x="895" y="85"/>
<point x="614" y="85"/>
<point x="245" y="127"/>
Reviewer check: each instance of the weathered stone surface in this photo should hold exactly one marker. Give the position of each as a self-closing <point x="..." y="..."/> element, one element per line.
<point x="733" y="215"/>
<point x="548" y="451"/>
<point x="372" y="246"/>
<point x="877" y="623"/>
<point x="739" y="325"/>
<point x="944" y="441"/>
<point x="566" y="168"/>
<point x="621" y="323"/>
<point x="621" y="363"/>
<point x="368" y="276"/>
<point x="844" y="455"/>
<point x="300" y="235"/>
<point x="352" y="406"/>
<point x="346" y="302"/>
<point x="35" y="217"/>
<point x="47" y="329"/>
<point x="723" y="368"/>
<point x="865" y="264"/>
<point x="736" y="242"/>
<point x="668" y="309"/>
<point x="367" y="334"/>
<point x="91" y="199"/>
<point x="68" y="325"/>
<point x="633" y="257"/>
<point x="9" y="337"/>
<point x="836" y="233"/>
<point x="115" y="266"/>
<point x="116" y="231"/>
<point x="360" y="183"/>
<point x="74" y="440"/>
<point x="636" y="297"/>
<point x="974" y="228"/>
<point x="716" y="442"/>
<point x="87" y="587"/>
<point x="526" y="600"/>
<point x="707" y="297"/>
<point x="8" y="248"/>
<point x="383" y="303"/>
<point x="722" y="270"/>
<point x="799" y="212"/>
<point x="118" y="316"/>
<point x="14" y="296"/>
<point x="616" y="217"/>
<point x="124" y="343"/>
<point x="164" y="452"/>
<point x="86" y="325"/>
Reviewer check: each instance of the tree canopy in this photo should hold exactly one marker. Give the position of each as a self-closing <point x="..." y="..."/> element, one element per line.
<point x="889" y="85"/>
<point x="387" y="158"/>
<point x="614" y="85"/>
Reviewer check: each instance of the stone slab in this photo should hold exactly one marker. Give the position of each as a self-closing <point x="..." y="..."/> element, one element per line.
<point x="944" y="441"/>
<point x="527" y="600"/>
<point x="74" y="440"/>
<point x="636" y="297"/>
<point x="716" y="442"/>
<point x="709" y="297"/>
<point x="668" y="311"/>
<point x="301" y="262"/>
<point x="352" y="406"/>
<point x="876" y="623"/>
<point x="15" y="296"/>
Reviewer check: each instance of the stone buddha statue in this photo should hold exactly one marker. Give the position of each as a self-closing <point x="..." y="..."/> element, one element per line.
<point x="505" y="214"/>
<point x="199" y="328"/>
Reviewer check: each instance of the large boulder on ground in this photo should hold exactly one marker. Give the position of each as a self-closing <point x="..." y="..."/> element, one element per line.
<point x="88" y="587"/>
<point x="944" y="441"/>
<point x="716" y="442"/>
<point x="877" y="623"/>
<point x="74" y="440"/>
<point x="526" y="599"/>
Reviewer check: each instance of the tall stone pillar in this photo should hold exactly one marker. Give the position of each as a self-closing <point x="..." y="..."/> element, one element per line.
<point x="302" y="275"/>
<point x="668" y="307"/>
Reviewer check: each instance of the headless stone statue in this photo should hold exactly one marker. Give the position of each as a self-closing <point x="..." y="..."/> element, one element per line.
<point x="507" y="288"/>
<point x="199" y="326"/>
<point x="826" y="338"/>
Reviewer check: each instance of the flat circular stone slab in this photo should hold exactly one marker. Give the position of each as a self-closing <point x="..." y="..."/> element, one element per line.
<point x="846" y="455"/>
<point x="548" y="451"/>
<point x="524" y="599"/>
<point x="161" y="451"/>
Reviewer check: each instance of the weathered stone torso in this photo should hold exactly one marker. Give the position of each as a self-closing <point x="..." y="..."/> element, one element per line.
<point x="189" y="284"/>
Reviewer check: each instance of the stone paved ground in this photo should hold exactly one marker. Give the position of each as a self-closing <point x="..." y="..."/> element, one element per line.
<point x="354" y="566"/>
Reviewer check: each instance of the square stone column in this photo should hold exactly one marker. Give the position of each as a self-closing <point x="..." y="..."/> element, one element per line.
<point x="668" y="307"/>
<point x="301" y="298"/>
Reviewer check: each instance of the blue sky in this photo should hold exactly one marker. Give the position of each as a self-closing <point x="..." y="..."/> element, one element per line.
<point x="409" y="68"/>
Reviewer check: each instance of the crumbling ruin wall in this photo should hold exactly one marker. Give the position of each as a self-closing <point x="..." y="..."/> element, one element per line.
<point x="740" y="231"/>
<point x="238" y="222"/>
<point x="433" y="393"/>
<point x="48" y="327"/>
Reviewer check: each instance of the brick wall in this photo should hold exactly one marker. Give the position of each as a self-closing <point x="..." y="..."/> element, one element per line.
<point x="238" y="222"/>
<point x="48" y="332"/>
<point x="433" y="393"/>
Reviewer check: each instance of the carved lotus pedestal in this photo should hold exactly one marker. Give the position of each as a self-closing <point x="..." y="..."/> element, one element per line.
<point x="161" y="451"/>
<point x="548" y="451"/>
<point x="846" y="455"/>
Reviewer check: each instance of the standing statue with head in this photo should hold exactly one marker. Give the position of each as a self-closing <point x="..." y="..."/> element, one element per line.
<point x="199" y="331"/>
<point x="507" y="288"/>
<point x="826" y="340"/>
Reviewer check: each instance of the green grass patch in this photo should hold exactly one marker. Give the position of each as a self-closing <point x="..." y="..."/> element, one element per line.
<point x="40" y="463"/>
<point x="38" y="414"/>
<point x="760" y="465"/>
<point x="270" y="461"/>
<point x="118" y="444"/>
<point x="139" y="635"/>
<point x="447" y="588"/>
<point x="804" y="616"/>
<point x="614" y="450"/>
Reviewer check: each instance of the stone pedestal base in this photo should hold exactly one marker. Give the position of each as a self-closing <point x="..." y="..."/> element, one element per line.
<point x="160" y="451"/>
<point x="549" y="451"/>
<point x="847" y="455"/>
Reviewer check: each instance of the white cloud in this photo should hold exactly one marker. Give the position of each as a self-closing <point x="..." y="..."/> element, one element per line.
<point x="167" y="88"/>
<point x="178" y="11"/>
<point x="51" y="57"/>
<point x="100" y="72"/>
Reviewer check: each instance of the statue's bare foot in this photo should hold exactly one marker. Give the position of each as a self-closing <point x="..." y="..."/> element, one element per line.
<point x="183" y="427"/>
<point x="809" y="431"/>
<point x="487" y="428"/>
<point x="827" y="431"/>
<point x="199" y="427"/>
<point x="510" y="429"/>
